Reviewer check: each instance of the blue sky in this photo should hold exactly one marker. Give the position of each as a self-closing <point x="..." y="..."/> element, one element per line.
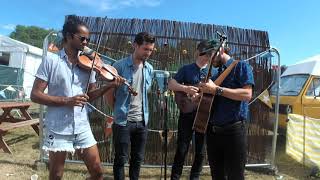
<point x="293" y="25"/>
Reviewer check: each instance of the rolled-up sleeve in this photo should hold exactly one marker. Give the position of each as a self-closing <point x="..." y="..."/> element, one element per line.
<point x="43" y="70"/>
<point x="245" y="74"/>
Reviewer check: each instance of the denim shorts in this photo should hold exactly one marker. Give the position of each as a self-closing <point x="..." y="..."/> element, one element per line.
<point x="69" y="143"/>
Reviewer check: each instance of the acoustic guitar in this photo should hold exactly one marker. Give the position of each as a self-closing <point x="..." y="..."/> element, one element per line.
<point x="204" y="108"/>
<point x="184" y="102"/>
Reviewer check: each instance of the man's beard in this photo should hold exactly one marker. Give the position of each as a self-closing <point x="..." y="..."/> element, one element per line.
<point x="220" y="63"/>
<point x="143" y="58"/>
<point x="217" y="63"/>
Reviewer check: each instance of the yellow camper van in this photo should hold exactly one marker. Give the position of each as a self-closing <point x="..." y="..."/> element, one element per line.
<point x="299" y="90"/>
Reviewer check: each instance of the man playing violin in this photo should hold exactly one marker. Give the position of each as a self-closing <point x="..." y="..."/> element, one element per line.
<point x="66" y="124"/>
<point x="186" y="81"/>
<point x="131" y="112"/>
<point x="226" y="132"/>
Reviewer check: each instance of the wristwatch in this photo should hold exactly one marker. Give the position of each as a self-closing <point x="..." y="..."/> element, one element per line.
<point x="219" y="91"/>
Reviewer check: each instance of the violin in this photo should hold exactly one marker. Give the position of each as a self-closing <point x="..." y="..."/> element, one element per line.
<point x="108" y="72"/>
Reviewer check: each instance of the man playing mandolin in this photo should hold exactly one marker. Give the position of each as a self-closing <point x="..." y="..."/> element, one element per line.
<point x="226" y="132"/>
<point x="67" y="125"/>
<point x="185" y="86"/>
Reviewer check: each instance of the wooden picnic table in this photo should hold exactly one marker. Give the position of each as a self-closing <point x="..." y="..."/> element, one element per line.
<point x="9" y="121"/>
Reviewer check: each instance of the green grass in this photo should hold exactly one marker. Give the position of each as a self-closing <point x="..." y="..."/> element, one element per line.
<point x="24" y="144"/>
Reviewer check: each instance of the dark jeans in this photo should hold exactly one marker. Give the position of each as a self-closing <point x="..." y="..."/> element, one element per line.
<point x="134" y="133"/>
<point x="185" y="133"/>
<point x="226" y="149"/>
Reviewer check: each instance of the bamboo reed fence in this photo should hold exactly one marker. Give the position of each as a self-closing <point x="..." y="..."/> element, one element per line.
<point x="175" y="46"/>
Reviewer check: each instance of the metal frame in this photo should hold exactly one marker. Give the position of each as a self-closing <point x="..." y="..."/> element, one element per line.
<point x="272" y="166"/>
<point x="41" y="117"/>
<point x="275" y="125"/>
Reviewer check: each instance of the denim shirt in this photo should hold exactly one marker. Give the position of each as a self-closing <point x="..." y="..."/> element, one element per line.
<point x="67" y="80"/>
<point x="225" y="110"/>
<point x="125" y="69"/>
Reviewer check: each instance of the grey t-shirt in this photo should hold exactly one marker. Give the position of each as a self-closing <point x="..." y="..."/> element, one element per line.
<point x="135" y="111"/>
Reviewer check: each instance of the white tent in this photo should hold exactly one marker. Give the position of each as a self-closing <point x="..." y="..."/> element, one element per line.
<point x="308" y="66"/>
<point x="22" y="56"/>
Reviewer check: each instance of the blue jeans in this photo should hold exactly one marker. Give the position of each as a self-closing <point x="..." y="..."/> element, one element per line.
<point x="134" y="133"/>
<point x="185" y="133"/>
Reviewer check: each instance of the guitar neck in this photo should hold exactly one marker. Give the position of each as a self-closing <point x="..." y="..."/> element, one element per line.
<point x="211" y="61"/>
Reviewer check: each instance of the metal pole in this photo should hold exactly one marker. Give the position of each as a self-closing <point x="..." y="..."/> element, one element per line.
<point x="154" y="166"/>
<point x="275" y="127"/>
<point x="41" y="110"/>
<point x="165" y="132"/>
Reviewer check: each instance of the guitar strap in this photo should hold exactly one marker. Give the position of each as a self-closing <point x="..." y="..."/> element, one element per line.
<point x="225" y="73"/>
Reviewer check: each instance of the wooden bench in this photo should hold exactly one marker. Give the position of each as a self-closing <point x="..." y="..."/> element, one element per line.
<point x="8" y="122"/>
<point x="6" y="126"/>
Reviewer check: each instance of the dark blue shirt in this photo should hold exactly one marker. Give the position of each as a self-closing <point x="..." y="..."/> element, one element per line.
<point x="191" y="74"/>
<point x="225" y="110"/>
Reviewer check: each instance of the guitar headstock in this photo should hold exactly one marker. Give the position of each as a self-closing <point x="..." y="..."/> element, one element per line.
<point x="214" y="44"/>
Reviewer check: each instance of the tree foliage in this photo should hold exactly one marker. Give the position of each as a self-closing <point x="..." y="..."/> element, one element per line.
<point x="32" y="35"/>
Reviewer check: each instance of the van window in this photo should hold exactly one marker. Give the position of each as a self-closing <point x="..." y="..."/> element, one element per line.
<point x="314" y="88"/>
<point x="290" y="85"/>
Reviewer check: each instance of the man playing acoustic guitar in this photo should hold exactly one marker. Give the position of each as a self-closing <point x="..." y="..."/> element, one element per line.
<point x="185" y="83"/>
<point x="226" y="132"/>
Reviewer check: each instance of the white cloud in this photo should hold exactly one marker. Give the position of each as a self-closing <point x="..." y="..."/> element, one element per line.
<point x="10" y="27"/>
<point x="152" y="3"/>
<point x="139" y="3"/>
<point x="108" y="5"/>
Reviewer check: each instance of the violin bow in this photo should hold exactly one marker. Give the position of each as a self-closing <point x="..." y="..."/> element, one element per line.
<point x="95" y="54"/>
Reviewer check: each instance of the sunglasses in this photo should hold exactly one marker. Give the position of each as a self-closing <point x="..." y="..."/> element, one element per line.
<point x="82" y="38"/>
